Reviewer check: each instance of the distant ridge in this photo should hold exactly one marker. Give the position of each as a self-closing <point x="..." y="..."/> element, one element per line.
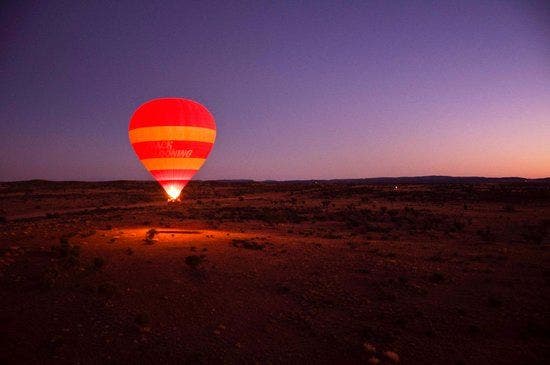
<point x="432" y="179"/>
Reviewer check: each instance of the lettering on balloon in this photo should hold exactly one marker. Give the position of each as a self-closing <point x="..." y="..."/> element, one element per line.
<point x="168" y="151"/>
<point x="181" y="153"/>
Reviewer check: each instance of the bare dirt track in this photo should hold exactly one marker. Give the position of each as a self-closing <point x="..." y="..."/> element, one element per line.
<point x="296" y="272"/>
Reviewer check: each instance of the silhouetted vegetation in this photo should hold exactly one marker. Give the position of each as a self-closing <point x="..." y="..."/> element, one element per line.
<point x="248" y="244"/>
<point x="150" y="235"/>
<point x="194" y="261"/>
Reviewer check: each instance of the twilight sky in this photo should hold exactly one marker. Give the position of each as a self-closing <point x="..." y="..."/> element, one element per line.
<point x="299" y="90"/>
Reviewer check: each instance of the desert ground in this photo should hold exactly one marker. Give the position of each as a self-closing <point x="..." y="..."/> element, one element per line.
<point x="275" y="272"/>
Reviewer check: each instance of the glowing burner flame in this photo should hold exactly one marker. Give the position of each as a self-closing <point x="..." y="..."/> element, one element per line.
<point x="173" y="191"/>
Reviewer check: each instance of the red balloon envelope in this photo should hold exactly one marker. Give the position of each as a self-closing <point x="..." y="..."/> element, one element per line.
<point x="172" y="137"/>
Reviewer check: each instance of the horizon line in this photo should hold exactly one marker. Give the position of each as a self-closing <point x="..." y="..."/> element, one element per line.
<point x="450" y="177"/>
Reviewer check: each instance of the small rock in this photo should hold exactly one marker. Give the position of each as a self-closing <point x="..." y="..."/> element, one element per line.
<point x="219" y="330"/>
<point x="373" y="361"/>
<point x="392" y="356"/>
<point x="369" y="348"/>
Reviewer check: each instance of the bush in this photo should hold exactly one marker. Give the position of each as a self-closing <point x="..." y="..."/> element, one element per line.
<point x="98" y="263"/>
<point x="66" y="251"/>
<point x="194" y="261"/>
<point x="437" y="277"/>
<point x="509" y="208"/>
<point x="535" y="234"/>
<point x="107" y="289"/>
<point x="247" y="244"/>
<point x="142" y="319"/>
<point x="150" y="235"/>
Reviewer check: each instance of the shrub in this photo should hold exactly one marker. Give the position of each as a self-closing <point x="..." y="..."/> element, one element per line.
<point x="535" y="233"/>
<point x="194" y="261"/>
<point x="98" y="263"/>
<point x="247" y="244"/>
<point x="494" y="302"/>
<point x="142" y="319"/>
<point x="66" y="251"/>
<point x="107" y="289"/>
<point x="486" y="234"/>
<point x="509" y="208"/>
<point x="150" y="235"/>
<point x="437" y="277"/>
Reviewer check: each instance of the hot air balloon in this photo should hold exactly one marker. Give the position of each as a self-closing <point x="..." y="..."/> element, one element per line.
<point x="172" y="137"/>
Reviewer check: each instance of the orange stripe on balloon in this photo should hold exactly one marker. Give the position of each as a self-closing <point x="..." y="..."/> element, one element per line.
<point x="172" y="133"/>
<point x="173" y="163"/>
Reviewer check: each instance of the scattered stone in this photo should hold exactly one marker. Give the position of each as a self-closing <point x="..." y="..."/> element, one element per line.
<point x="369" y="348"/>
<point x="391" y="356"/>
<point x="219" y="330"/>
<point x="373" y="361"/>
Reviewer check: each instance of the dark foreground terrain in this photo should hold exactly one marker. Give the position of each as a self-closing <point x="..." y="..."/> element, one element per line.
<point x="301" y="272"/>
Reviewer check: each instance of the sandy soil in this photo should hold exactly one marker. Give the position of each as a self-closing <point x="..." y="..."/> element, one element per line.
<point x="249" y="272"/>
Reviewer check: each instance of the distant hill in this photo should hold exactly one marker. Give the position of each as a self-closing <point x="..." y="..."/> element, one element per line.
<point x="374" y="180"/>
<point x="430" y="180"/>
<point x="449" y="180"/>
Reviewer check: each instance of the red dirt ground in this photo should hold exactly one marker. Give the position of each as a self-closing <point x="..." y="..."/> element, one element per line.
<point x="245" y="272"/>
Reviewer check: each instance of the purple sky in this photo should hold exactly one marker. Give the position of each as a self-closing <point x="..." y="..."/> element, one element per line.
<point x="299" y="91"/>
